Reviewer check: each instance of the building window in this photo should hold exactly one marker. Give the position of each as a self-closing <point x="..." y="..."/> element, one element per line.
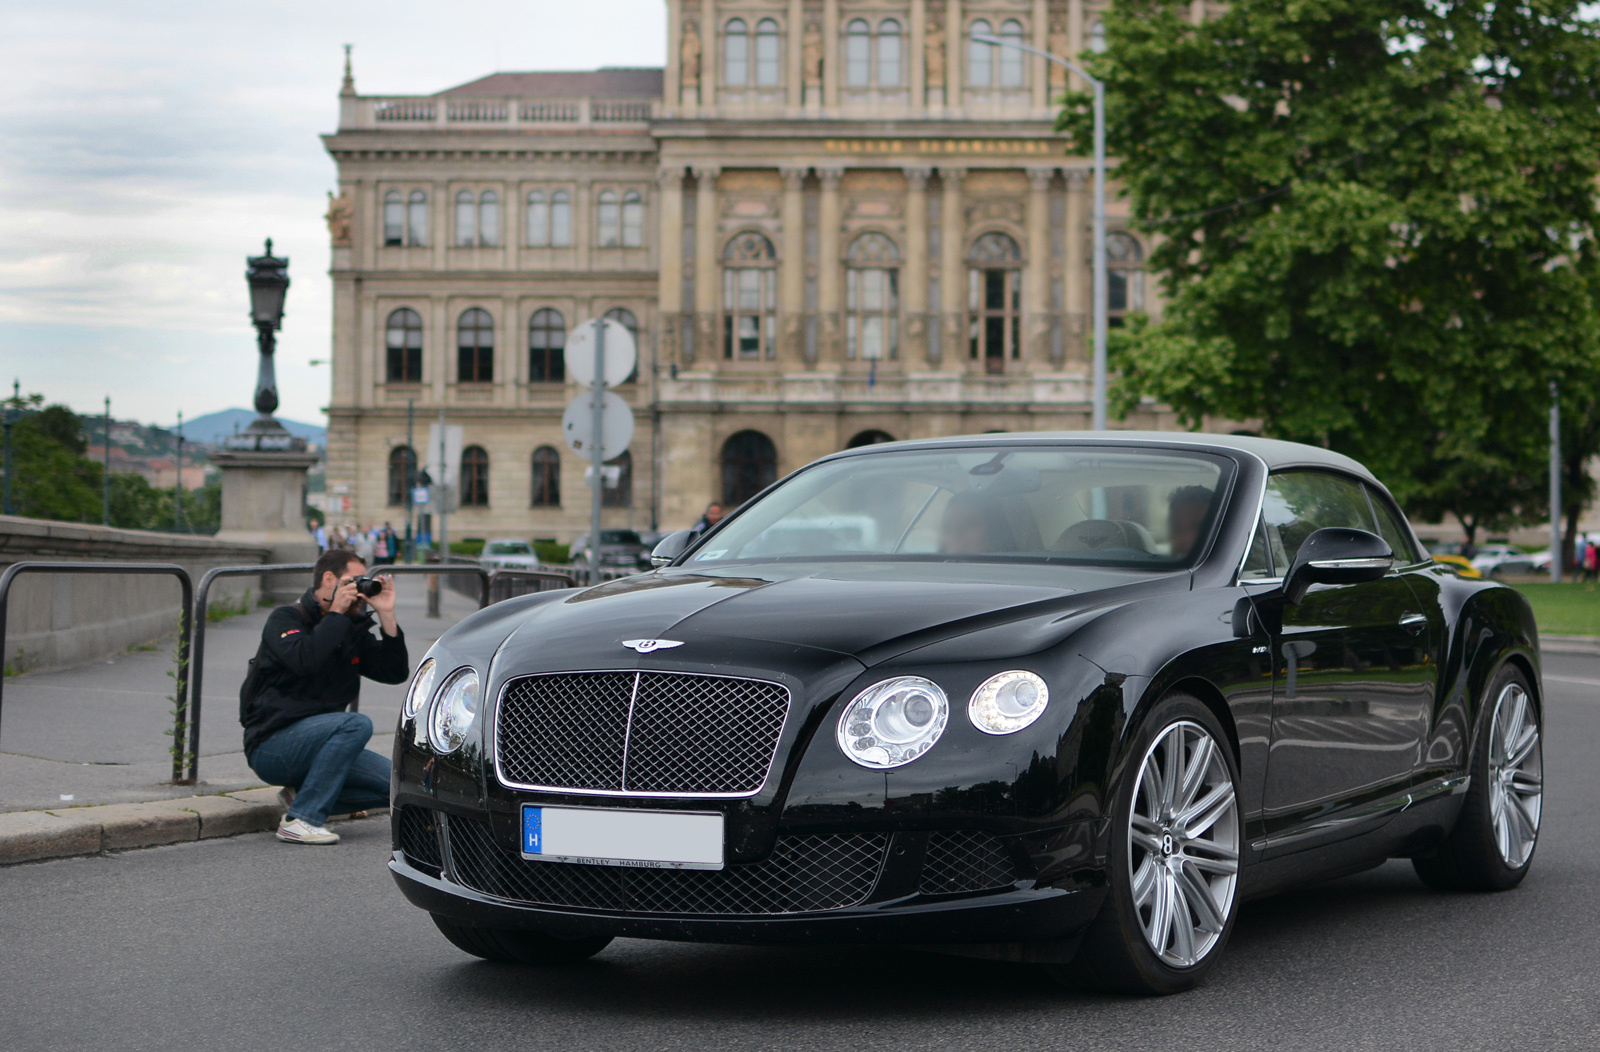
<point x="980" y="56"/>
<point x="466" y="219"/>
<point x="394" y="219"/>
<point x="1012" y="70"/>
<point x="403" y="334"/>
<point x="1097" y="36"/>
<point x="888" y="53"/>
<point x="475" y="347"/>
<point x="625" y="317"/>
<point x="872" y="298"/>
<point x="546" y="478"/>
<point x="402" y="474"/>
<point x="474" y="477"/>
<point x="560" y="219"/>
<point x="489" y="219"/>
<point x="632" y="219"/>
<point x="736" y="58"/>
<point x="767" y="53"/>
<point x="858" y="54"/>
<point x="417" y="218"/>
<point x="749" y="465"/>
<point x="994" y="301"/>
<point x="608" y="220"/>
<point x="538" y="220"/>
<point x="869" y="438"/>
<point x="749" y="297"/>
<point x="547" y="341"/>
<point x="620" y="495"/>
<point x="985" y="60"/>
<point x="1124" y="277"/>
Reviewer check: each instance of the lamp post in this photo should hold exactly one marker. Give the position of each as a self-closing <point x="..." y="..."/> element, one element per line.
<point x="105" y="478"/>
<point x="1100" y="284"/>
<point x="13" y="413"/>
<point x="268" y="276"/>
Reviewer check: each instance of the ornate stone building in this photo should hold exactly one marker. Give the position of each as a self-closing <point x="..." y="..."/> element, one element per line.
<point x="829" y="221"/>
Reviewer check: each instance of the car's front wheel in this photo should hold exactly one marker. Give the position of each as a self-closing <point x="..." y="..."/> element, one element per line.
<point x="513" y="946"/>
<point x="1174" y="867"/>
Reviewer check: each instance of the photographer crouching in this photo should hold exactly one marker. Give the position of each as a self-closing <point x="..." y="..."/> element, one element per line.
<point x="308" y="670"/>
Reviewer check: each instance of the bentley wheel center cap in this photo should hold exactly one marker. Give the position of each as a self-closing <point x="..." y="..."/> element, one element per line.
<point x="1167" y="846"/>
<point x="647" y="646"/>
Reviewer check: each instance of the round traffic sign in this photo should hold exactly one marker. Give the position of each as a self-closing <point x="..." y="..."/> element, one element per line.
<point x="577" y="424"/>
<point x="621" y="355"/>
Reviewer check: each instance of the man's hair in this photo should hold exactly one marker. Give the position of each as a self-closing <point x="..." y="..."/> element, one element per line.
<point x="1185" y="495"/>
<point x="333" y="561"/>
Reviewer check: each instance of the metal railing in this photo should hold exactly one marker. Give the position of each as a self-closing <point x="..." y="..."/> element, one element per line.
<point x="181" y="691"/>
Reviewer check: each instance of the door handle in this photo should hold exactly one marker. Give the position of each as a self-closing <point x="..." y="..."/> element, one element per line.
<point x="1413" y="623"/>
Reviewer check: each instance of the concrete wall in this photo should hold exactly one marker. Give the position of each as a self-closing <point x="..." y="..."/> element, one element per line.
<point x="66" y="619"/>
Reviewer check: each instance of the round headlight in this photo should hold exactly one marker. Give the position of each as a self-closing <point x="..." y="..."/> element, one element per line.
<point x="1008" y="702"/>
<point x="453" y="712"/>
<point x="893" y="722"/>
<point x="421" y="687"/>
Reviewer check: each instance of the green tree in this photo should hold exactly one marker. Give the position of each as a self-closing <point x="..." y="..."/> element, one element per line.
<point x="52" y="479"/>
<point x="1375" y="226"/>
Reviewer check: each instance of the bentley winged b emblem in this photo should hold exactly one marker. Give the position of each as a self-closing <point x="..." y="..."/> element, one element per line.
<point x="649" y="646"/>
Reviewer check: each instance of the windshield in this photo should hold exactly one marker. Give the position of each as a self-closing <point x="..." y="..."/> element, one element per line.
<point x="1075" y="505"/>
<point x="507" y="548"/>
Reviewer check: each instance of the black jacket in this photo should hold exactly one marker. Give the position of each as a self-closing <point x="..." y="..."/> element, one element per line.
<point x="311" y="663"/>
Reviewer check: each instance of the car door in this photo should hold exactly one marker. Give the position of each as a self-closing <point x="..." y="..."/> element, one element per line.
<point x="1353" y="691"/>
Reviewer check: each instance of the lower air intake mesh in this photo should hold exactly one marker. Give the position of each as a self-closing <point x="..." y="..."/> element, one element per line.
<point x="418" y="839"/>
<point x="965" y="861"/>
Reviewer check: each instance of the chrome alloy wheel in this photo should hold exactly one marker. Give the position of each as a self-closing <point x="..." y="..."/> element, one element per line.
<point x="1183" y="844"/>
<point x="1516" y="775"/>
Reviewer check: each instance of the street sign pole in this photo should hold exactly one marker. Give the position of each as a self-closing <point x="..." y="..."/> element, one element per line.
<point x="410" y="481"/>
<point x="105" y="478"/>
<point x="597" y="401"/>
<point x="443" y="511"/>
<point x="1555" y="484"/>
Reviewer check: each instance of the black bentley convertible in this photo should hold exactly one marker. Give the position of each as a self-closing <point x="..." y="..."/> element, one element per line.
<point x="1056" y="698"/>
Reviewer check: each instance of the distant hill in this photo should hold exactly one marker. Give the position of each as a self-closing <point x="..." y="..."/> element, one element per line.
<point x="214" y="427"/>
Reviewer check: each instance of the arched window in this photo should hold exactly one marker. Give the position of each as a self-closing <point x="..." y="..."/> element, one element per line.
<point x="1097" y="36"/>
<point x="474" y="477"/>
<point x="872" y="298"/>
<point x="749" y="297"/>
<point x="475" y="347"/>
<point x="858" y="53"/>
<point x="547" y="341"/>
<point x="749" y="465"/>
<point x="489" y="218"/>
<point x="994" y="301"/>
<point x="1124" y="276"/>
<point x="466" y="219"/>
<point x="889" y="53"/>
<point x="980" y="56"/>
<point x="869" y="438"/>
<point x="632" y="219"/>
<point x="625" y="317"/>
<point x="560" y="219"/>
<point x="766" y="53"/>
<point x="1012" y="69"/>
<point x="394" y="219"/>
<point x="417" y="218"/>
<point x="546" y="477"/>
<point x="736" y="53"/>
<point x="620" y="495"/>
<point x="608" y="220"/>
<point x="402" y="474"/>
<point x="403" y="335"/>
<point x="538" y="220"/>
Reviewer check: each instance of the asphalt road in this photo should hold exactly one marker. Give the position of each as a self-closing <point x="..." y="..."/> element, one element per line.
<point x="252" y="944"/>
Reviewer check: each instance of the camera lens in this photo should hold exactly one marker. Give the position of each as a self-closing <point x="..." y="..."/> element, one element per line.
<point x="369" y="586"/>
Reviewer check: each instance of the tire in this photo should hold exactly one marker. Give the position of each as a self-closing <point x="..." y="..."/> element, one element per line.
<point x="1492" y="843"/>
<point x="1174" y="868"/>
<point x="513" y="946"/>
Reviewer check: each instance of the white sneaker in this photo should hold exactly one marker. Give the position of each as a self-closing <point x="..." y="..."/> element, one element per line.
<point x="299" y="831"/>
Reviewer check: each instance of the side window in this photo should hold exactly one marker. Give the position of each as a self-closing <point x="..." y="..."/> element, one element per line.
<point x="1390" y="529"/>
<point x="1299" y="503"/>
<point x="1257" y="565"/>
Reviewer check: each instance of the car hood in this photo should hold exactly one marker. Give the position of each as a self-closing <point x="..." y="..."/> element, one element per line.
<point x="867" y="611"/>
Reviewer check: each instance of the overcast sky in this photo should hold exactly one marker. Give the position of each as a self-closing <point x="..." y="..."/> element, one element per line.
<point x="147" y="148"/>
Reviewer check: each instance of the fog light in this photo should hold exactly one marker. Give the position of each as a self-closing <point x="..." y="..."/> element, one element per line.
<point x="454" y="711"/>
<point x="1008" y="702"/>
<point x="894" y="722"/>
<point x="421" y="687"/>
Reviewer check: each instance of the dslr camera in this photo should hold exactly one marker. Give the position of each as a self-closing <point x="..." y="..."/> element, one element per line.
<point x="368" y="585"/>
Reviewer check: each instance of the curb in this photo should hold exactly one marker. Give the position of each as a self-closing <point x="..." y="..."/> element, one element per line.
<point x="29" y="836"/>
<point x="1569" y="644"/>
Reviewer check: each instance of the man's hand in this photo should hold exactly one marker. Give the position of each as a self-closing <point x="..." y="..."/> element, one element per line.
<point x="383" y="605"/>
<point x="345" y="598"/>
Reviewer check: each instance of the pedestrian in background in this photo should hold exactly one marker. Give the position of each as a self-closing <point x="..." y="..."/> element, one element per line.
<point x="712" y="516"/>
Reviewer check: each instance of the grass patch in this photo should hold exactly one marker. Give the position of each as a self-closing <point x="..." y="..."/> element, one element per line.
<point x="1570" y="608"/>
<point x="222" y="610"/>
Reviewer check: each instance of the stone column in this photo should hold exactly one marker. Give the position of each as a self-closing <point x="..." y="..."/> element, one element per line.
<point x="1077" y="29"/>
<point x="794" y="74"/>
<point x="828" y="265"/>
<point x="1038" y="68"/>
<point x="671" y="88"/>
<point x="710" y="57"/>
<point x="952" y="271"/>
<point x="830" y="61"/>
<point x="263" y="506"/>
<point x="583" y="222"/>
<point x="1197" y="11"/>
<point x="792" y="272"/>
<point x="916" y="59"/>
<point x="955" y="68"/>
<point x="669" y="291"/>
<point x="1075" y="266"/>
<point x="1036" y="279"/>
<point x="914" y="286"/>
<point x="707" y="276"/>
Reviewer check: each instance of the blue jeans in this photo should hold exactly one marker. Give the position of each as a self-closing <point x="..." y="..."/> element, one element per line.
<point x="324" y="759"/>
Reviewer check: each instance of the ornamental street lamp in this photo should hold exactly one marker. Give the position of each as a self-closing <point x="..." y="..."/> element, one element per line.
<point x="268" y="277"/>
<point x="1100" y="283"/>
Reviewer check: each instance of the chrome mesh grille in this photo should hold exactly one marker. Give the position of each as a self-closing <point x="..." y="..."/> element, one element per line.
<point x="962" y="860"/>
<point x="418" y="838"/>
<point x="645" y="732"/>
<point x="804" y="874"/>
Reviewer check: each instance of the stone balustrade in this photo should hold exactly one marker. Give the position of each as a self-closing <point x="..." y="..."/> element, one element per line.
<point x="417" y="112"/>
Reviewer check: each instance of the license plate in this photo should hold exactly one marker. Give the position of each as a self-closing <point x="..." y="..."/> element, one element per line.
<point x="615" y="837"/>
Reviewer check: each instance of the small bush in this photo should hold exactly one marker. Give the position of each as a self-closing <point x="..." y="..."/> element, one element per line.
<point x="552" y="553"/>
<point x="471" y="547"/>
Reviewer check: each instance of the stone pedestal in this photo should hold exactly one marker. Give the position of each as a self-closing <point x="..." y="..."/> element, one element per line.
<point x="263" y="505"/>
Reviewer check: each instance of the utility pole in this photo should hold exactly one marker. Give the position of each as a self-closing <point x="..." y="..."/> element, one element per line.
<point x="410" y="479"/>
<point x="1556" y="552"/>
<point x="105" y="516"/>
<point x="177" y="513"/>
<point x="13" y="413"/>
<point x="597" y="394"/>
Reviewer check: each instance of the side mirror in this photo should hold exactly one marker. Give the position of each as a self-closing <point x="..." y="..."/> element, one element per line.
<point x="670" y="547"/>
<point x="1336" y="555"/>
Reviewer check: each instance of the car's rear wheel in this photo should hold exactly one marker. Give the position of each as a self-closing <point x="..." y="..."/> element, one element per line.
<point x="1174" y="867"/>
<point x="513" y="946"/>
<point x="1491" y="846"/>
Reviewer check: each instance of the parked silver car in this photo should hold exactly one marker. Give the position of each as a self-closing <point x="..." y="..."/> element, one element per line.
<point x="508" y="553"/>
